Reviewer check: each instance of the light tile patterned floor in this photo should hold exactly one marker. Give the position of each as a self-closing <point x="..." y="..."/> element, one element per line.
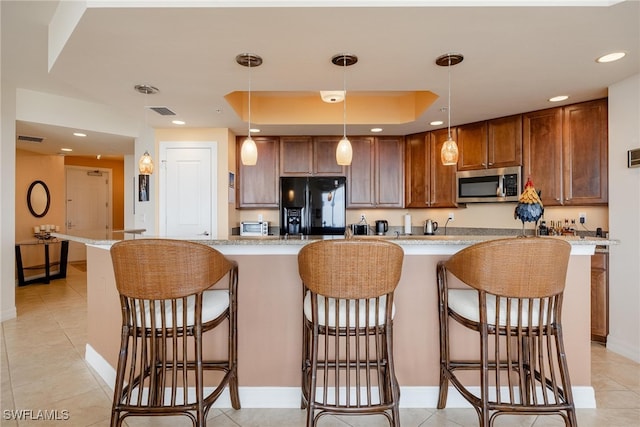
<point x="43" y="368"/>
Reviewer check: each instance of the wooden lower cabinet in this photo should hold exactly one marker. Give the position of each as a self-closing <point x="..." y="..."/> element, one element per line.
<point x="599" y="297"/>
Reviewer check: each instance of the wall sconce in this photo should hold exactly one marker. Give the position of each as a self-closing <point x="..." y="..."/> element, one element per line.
<point x="145" y="164"/>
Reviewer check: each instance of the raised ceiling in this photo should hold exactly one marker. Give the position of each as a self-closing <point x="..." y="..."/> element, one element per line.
<point x="515" y="58"/>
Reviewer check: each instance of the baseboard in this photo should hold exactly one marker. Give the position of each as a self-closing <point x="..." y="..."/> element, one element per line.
<point x="10" y="313"/>
<point x="289" y="397"/>
<point x="623" y="348"/>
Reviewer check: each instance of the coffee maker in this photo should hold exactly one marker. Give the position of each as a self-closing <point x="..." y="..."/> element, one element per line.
<point x="293" y="220"/>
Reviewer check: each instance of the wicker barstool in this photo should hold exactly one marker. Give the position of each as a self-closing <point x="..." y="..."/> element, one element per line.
<point x="167" y="305"/>
<point x="347" y="355"/>
<point x="514" y="302"/>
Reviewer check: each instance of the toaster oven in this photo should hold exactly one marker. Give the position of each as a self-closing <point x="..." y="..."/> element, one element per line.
<point x="254" y="228"/>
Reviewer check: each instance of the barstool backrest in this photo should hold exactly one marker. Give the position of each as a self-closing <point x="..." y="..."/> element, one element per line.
<point x="351" y="269"/>
<point x="157" y="269"/>
<point x="514" y="267"/>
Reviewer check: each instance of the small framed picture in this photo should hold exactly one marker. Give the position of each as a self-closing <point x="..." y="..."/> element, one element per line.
<point x="232" y="180"/>
<point x="143" y="188"/>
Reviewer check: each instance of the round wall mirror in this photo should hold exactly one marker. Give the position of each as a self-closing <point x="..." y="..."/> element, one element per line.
<point x="38" y="199"/>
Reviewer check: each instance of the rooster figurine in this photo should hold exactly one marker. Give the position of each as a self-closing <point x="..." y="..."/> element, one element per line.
<point x="529" y="207"/>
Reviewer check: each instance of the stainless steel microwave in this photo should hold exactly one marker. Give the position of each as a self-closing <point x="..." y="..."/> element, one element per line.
<point x="257" y="228"/>
<point x="488" y="185"/>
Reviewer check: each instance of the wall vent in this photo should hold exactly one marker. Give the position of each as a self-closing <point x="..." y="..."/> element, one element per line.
<point x="26" y="138"/>
<point x="163" y="111"/>
<point x="634" y="158"/>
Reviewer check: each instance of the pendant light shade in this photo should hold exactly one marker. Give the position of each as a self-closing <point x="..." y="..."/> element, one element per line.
<point x="449" y="150"/>
<point x="249" y="152"/>
<point x="344" y="152"/>
<point x="249" y="149"/>
<point x="145" y="164"/>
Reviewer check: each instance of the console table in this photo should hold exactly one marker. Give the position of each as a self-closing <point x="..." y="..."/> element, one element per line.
<point x="61" y="262"/>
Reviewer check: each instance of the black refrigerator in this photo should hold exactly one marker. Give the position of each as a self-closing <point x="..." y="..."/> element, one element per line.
<point x="312" y="205"/>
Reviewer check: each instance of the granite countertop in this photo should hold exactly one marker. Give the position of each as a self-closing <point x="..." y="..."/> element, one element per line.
<point x="277" y="240"/>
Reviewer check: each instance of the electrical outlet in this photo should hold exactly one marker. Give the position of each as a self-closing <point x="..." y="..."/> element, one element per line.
<point x="583" y="217"/>
<point x="451" y="216"/>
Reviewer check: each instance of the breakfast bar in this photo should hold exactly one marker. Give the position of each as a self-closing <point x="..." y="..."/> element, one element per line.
<point x="270" y="316"/>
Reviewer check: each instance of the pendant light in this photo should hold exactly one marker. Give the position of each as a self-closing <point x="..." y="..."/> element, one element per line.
<point x="145" y="164"/>
<point x="344" y="152"/>
<point x="249" y="150"/>
<point x="449" y="151"/>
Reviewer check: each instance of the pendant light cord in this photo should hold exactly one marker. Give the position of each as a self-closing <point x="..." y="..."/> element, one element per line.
<point x="249" y="123"/>
<point x="344" y="101"/>
<point x="449" y="107"/>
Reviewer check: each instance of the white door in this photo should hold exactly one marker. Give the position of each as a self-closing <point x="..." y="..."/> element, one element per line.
<point x="188" y="190"/>
<point x="88" y="213"/>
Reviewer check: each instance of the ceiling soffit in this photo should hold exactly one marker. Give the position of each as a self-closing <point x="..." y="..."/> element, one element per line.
<point x="375" y="108"/>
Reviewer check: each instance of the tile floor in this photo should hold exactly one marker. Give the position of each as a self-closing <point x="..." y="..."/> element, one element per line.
<point x="43" y="369"/>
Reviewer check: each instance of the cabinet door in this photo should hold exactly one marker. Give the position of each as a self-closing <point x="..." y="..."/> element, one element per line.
<point x="295" y="155"/>
<point x="599" y="297"/>
<point x="389" y="171"/>
<point x="442" y="193"/>
<point x="360" y="181"/>
<point x="257" y="186"/>
<point x="472" y="146"/>
<point x="324" y="156"/>
<point x="585" y="153"/>
<point x="505" y="142"/>
<point x="542" y="153"/>
<point x="417" y="170"/>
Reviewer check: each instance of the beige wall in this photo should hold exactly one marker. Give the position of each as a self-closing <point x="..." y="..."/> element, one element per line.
<point x="49" y="169"/>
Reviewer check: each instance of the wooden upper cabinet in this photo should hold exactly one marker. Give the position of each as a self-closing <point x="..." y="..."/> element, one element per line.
<point x="442" y="193"/>
<point x="565" y="153"/>
<point x="376" y="175"/>
<point x="258" y="186"/>
<point x="472" y="146"/>
<point x="296" y="155"/>
<point x="542" y="153"/>
<point x="360" y="178"/>
<point x="585" y="153"/>
<point x="504" y="142"/>
<point x="428" y="183"/>
<point x="494" y="143"/>
<point x="305" y="155"/>
<point x="324" y="156"/>
<point x="417" y="170"/>
<point x="389" y="158"/>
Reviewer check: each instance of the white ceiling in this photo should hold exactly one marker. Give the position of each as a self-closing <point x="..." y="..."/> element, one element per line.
<point x="515" y="58"/>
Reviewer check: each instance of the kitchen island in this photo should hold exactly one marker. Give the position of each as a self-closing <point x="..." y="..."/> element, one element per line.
<point x="270" y="317"/>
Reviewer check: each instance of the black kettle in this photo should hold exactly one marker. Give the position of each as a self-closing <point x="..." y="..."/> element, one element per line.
<point x="382" y="226"/>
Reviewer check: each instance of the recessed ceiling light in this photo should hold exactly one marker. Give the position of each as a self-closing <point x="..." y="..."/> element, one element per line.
<point x="436" y="123"/>
<point x="66" y="149"/>
<point x="253" y="130"/>
<point x="79" y="134"/>
<point x="376" y="130"/>
<point x="558" y="98"/>
<point x="610" y="57"/>
<point x="178" y="122"/>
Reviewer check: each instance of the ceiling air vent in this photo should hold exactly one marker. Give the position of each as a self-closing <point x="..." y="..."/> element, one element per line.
<point x="163" y="111"/>
<point x="26" y="138"/>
